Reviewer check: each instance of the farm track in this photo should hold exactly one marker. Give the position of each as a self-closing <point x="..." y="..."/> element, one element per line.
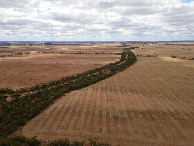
<point x="150" y="103"/>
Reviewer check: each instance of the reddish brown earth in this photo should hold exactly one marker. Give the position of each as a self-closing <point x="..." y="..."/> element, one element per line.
<point x="150" y="103"/>
<point x="35" y="68"/>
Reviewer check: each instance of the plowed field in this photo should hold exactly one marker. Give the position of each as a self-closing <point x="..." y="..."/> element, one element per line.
<point x="150" y="103"/>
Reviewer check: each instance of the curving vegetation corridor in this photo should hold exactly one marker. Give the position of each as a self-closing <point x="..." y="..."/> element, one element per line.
<point x="20" y="106"/>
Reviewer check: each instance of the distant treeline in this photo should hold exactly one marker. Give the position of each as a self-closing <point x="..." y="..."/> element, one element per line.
<point x="20" y="106"/>
<point x="4" y="47"/>
<point x="130" y="48"/>
<point x="123" y="46"/>
<point x="5" y="44"/>
<point x="60" y="44"/>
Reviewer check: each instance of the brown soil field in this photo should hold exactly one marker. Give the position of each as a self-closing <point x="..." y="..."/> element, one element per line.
<point x="163" y="50"/>
<point x="42" y="66"/>
<point x="150" y="103"/>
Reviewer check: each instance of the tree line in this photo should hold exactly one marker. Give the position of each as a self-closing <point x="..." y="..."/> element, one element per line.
<point x="26" y="103"/>
<point x="23" y="141"/>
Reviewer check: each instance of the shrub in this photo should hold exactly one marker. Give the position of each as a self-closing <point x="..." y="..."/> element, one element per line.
<point x="65" y="142"/>
<point x="173" y="56"/>
<point x="21" y="141"/>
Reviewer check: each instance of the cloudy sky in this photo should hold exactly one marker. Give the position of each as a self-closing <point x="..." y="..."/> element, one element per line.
<point x="96" y="20"/>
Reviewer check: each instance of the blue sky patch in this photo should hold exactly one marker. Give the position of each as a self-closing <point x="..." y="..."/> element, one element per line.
<point x="187" y="1"/>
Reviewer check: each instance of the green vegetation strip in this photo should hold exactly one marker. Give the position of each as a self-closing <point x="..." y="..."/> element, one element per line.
<point x="23" y="141"/>
<point x="26" y="103"/>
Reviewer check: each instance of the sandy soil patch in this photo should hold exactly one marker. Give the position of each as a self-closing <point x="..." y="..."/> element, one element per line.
<point x="172" y="59"/>
<point x="188" y="63"/>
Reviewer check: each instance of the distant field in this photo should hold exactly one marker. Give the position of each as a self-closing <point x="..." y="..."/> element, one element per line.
<point x="150" y="103"/>
<point x="28" y="66"/>
<point x="180" y="51"/>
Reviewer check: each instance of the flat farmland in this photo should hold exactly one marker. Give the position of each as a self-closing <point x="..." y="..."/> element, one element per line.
<point x="28" y="66"/>
<point x="179" y="50"/>
<point x="150" y="103"/>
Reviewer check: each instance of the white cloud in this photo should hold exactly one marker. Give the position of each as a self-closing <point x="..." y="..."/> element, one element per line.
<point x="96" y="20"/>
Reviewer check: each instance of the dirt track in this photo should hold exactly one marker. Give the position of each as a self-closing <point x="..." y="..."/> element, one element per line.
<point x="150" y="103"/>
